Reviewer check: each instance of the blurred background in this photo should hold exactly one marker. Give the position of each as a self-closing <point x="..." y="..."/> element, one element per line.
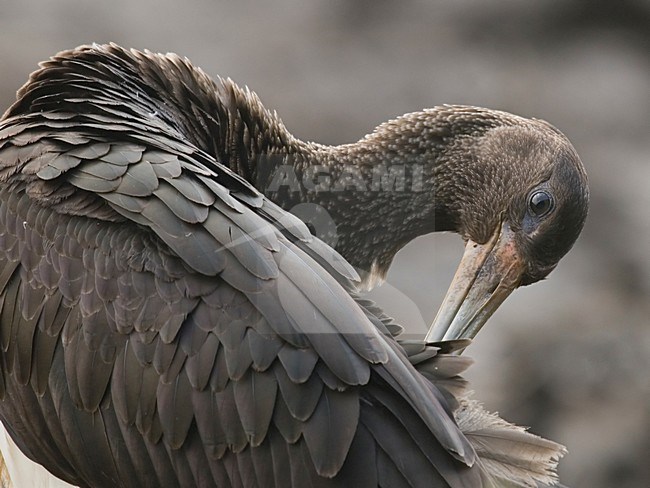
<point x="569" y="357"/>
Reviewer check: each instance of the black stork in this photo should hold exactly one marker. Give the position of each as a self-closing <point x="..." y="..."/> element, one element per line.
<point x="164" y="323"/>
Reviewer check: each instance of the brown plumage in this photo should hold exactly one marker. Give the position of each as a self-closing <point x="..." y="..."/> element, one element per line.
<point x="164" y="323"/>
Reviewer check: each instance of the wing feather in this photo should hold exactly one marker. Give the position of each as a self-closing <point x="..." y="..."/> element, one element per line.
<point x="174" y="405"/>
<point x="330" y="430"/>
<point x="255" y="398"/>
<point x="300" y="398"/>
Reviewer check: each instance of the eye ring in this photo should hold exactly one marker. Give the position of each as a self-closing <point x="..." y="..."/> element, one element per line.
<point x="540" y="203"/>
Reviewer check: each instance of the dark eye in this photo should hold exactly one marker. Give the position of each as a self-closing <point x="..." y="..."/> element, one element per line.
<point x="540" y="203"/>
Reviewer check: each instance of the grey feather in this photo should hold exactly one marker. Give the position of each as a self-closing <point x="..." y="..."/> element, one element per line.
<point x="90" y="151"/>
<point x="140" y="180"/>
<point x="174" y="399"/>
<point x="128" y="154"/>
<point x="508" y="453"/>
<point x="193" y="190"/>
<point x="330" y="431"/>
<point x="183" y="208"/>
<point x="301" y="398"/>
<point x="255" y="396"/>
<point x="199" y="366"/>
<point x="264" y="349"/>
<point x="298" y="363"/>
<point x="103" y="170"/>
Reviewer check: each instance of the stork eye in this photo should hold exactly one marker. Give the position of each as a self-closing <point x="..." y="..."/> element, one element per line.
<point x="540" y="203"/>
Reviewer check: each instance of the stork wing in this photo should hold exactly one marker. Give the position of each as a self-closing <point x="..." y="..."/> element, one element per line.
<point x="164" y="324"/>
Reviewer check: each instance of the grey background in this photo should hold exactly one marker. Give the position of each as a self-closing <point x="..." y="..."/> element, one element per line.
<point x="570" y="356"/>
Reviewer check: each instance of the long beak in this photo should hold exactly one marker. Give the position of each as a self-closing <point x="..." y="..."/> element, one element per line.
<point x="486" y="275"/>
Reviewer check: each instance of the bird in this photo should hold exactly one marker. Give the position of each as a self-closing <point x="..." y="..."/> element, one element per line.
<point x="165" y="320"/>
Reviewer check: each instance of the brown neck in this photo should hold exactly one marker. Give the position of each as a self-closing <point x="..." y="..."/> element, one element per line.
<point x="365" y="202"/>
<point x="408" y="178"/>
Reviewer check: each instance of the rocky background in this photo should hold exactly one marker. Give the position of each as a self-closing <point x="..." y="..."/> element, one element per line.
<point x="569" y="357"/>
